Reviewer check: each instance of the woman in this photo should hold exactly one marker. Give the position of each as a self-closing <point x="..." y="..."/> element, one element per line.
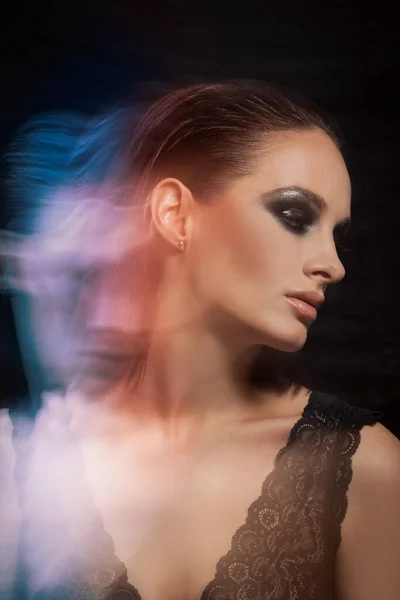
<point x="209" y="486"/>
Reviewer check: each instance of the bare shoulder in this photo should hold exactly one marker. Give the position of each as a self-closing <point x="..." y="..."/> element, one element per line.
<point x="368" y="559"/>
<point x="377" y="458"/>
<point x="380" y="436"/>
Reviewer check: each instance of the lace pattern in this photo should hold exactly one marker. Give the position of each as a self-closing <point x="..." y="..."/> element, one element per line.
<point x="286" y="548"/>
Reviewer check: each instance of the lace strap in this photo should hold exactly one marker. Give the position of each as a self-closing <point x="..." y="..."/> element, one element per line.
<point x="287" y="546"/>
<point x="330" y="411"/>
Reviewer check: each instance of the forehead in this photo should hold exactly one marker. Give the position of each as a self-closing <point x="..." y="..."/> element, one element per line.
<point x="87" y="226"/>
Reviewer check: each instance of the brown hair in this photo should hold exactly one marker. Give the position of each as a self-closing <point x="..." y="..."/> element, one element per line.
<point x="206" y="134"/>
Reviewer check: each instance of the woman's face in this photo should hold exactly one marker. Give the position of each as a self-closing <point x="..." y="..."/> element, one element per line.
<point x="271" y="238"/>
<point x="78" y="315"/>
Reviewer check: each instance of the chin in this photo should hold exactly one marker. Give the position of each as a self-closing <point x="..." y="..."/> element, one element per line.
<point x="287" y="340"/>
<point x="293" y="346"/>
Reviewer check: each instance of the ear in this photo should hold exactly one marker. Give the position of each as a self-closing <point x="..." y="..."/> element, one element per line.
<point x="13" y="256"/>
<point x="171" y="203"/>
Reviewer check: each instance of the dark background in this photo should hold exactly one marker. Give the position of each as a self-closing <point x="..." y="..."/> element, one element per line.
<point x="344" y="55"/>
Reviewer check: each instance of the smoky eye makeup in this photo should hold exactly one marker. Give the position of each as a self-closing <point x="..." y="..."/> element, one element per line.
<point x="296" y="209"/>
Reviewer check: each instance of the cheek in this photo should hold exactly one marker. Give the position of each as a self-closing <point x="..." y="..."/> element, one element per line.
<point x="250" y="253"/>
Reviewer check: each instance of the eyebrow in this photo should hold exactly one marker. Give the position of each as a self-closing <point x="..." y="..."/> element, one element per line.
<point x="317" y="201"/>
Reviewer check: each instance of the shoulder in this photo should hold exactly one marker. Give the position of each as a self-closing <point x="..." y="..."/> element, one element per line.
<point x="378" y="457"/>
<point x="368" y="556"/>
<point x="376" y="472"/>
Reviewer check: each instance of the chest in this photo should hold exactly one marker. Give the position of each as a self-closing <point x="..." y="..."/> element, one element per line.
<point x="182" y="524"/>
<point x="173" y="518"/>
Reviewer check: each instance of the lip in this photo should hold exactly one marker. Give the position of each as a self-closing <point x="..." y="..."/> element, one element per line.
<point x="306" y="303"/>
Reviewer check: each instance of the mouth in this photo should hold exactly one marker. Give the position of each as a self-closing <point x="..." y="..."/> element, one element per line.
<point x="306" y="303"/>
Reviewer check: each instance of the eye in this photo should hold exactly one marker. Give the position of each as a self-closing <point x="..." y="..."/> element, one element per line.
<point x="338" y="241"/>
<point x="65" y="285"/>
<point x="340" y="236"/>
<point x="295" y="213"/>
<point x="341" y="242"/>
<point x="79" y="280"/>
<point x="296" y="220"/>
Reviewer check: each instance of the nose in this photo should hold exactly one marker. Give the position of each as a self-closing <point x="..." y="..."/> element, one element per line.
<point x="325" y="264"/>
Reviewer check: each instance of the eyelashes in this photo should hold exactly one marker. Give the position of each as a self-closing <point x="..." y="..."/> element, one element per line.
<point x="341" y="242"/>
<point x="296" y="220"/>
<point x="298" y="217"/>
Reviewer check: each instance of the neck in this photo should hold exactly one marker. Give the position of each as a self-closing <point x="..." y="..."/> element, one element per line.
<point x="195" y="381"/>
<point x="195" y="364"/>
<point x="192" y="374"/>
<point x="194" y="388"/>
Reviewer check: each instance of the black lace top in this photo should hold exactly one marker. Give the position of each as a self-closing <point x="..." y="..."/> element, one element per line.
<point x="286" y="548"/>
